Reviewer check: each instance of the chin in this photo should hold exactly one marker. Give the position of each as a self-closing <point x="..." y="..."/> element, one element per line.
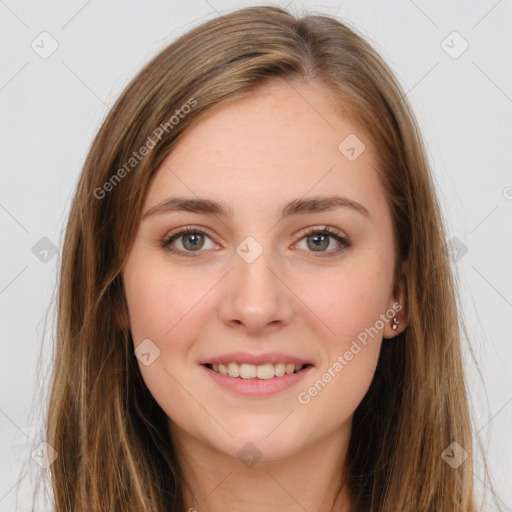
<point x="260" y="446"/>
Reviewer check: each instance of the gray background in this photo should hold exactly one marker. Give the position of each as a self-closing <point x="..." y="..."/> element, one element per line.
<point x="52" y="107"/>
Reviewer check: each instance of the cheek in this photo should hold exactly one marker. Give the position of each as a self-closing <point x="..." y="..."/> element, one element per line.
<point x="352" y="305"/>
<point x="347" y="302"/>
<point x="158" y="299"/>
<point x="164" y="306"/>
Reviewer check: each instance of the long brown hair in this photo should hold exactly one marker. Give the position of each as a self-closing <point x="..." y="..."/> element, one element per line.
<point x="113" y="444"/>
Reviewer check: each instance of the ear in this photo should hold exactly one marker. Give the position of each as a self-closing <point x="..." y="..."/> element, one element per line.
<point x="398" y="304"/>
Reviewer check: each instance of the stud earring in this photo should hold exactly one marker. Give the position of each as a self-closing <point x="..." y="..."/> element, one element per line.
<point x="395" y="323"/>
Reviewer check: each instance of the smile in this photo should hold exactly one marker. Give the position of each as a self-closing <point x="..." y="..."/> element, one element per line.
<point x="251" y="371"/>
<point x="256" y="381"/>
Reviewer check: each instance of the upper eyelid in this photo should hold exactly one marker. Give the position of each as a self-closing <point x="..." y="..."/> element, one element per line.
<point x="184" y="230"/>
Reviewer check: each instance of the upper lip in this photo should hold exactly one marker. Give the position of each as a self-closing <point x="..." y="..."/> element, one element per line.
<point x="255" y="359"/>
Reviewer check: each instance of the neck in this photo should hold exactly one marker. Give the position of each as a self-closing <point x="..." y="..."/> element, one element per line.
<point x="311" y="479"/>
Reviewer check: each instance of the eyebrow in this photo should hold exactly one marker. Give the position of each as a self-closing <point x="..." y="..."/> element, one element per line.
<point x="295" y="207"/>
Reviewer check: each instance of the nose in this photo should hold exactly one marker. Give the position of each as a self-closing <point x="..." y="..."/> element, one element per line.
<point x="255" y="299"/>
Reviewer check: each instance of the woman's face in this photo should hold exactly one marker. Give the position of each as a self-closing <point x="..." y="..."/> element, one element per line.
<point x="256" y="281"/>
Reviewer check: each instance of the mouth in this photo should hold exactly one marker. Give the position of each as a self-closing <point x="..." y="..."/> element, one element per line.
<point x="265" y="371"/>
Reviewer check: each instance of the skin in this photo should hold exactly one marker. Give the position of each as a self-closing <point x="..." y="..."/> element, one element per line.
<point x="255" y="155"/>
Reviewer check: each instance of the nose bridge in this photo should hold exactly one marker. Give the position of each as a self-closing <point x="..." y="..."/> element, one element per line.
<point x="253" y="296"/>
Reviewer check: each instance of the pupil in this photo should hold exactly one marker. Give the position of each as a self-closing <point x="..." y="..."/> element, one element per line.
<point x="195" y="243"/>
<point x="318" y="240"/>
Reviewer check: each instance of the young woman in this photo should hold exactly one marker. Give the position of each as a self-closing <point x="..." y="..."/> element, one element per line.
<point x="256" y="308"/>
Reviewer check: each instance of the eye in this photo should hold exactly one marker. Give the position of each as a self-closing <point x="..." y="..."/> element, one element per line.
<point x="317" y="240"/>
<point x="192" y="240"/>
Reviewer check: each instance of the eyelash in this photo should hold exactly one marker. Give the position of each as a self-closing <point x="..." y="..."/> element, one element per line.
<point x="327" y="230"/>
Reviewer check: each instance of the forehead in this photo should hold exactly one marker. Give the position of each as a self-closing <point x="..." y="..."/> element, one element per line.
<point x="281" y="142"/>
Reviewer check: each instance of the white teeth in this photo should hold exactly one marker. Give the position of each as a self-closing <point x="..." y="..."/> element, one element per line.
<point x="233" y="370"/>
<point x="251" y="371"/>
<point x="279" y="369"/>
<point x="248" y="371"/>
<point x="265" y="371"/>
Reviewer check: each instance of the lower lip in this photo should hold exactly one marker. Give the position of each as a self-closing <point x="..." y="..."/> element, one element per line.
<point x="257" y="387"/>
